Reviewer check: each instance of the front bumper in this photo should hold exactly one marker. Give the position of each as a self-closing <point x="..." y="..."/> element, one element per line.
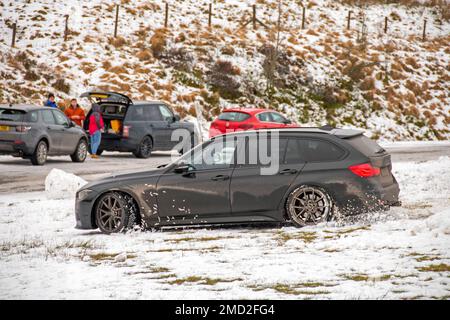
<point x="83" y="215"/>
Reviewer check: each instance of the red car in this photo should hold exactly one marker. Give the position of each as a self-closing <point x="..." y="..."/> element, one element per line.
<point x="241" y="119"/>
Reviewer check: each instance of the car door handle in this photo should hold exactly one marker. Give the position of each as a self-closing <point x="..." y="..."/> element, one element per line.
<point x="220" y="177"/>
<point x="288" y="171"/>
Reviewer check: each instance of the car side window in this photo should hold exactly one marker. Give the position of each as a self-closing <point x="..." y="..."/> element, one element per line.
<point x="61" y="119"/>
<point x="316" y="150"/>
<point x="47" y="117"/>
<point x="260" y="150"/>
<point x="216" y="155"/>
<point x="153" y="113"/>
<point x="293" y="152"/>
<point x="137" y="113"/>
<point x="276" y="117"/>
<point x="264" y="117"/>
<point x="32" y="116"/>
<point x="166" y="113"/>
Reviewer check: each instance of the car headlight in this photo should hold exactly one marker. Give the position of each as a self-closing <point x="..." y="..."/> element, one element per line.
<point x="83" y="194"/>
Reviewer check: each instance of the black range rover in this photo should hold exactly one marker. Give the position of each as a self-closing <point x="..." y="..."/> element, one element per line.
<point x="139" y="127"/>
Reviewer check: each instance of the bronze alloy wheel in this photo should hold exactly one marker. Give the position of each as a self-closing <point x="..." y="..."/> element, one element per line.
<point x="111" y="213"/>
<point x="309" y="206"/>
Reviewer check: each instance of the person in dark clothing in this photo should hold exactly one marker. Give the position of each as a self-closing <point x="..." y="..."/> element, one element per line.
<point x="51" y="101"/>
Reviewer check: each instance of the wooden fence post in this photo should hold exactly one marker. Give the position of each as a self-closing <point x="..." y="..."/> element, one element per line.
<point x="385" y="24"/>
<point x="349" y="19"/>
<point x="303" y="17"/>
<point x="424" y="34"/>
<point x="209" y="15"/>
<point x="166" y="19"/>
<point x="14" y="30"/>
<point x="254" y="17"/>
<point x="66" y="29"/>
<point x="117" y="21"/>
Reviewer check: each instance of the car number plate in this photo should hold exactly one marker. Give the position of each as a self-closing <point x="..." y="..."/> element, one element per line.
<point x="4" y="128"/>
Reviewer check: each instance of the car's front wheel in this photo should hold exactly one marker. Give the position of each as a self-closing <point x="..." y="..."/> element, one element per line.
<point x="116" y="212"/>
<point x="39" y="157"/>
<point x="80" y="153"/>
<point x="308" y="205"/>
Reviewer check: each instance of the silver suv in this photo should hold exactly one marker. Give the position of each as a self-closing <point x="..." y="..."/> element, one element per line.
<point x="33" y="133"/>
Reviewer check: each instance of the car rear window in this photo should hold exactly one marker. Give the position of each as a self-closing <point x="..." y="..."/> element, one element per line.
<point x="365" y="145"/>
<point x="7" y="114"/>
<point x="312" y="150"/>
<point x="234" y="116"/>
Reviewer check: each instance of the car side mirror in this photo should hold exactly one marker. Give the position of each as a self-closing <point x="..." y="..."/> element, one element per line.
<point x="287" y="121"/>
<point x="184" y="169"/>
<point x="71" y="124"/>
<point x="176" y="118"/>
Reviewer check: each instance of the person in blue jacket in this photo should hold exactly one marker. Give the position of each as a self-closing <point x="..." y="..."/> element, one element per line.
<point x="51" y="101"/>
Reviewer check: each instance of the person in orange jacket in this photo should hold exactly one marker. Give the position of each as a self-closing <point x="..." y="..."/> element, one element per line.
<point x="75" y="113"/>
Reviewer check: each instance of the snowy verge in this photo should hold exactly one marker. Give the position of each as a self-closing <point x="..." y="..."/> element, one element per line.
<point x="402" y="254"/>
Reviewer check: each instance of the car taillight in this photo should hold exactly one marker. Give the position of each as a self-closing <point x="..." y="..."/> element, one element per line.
<point x="214" y="125"/>
<point x="23" y="129"/>
<point x="365" y="170"/>
<point x="126" y="131"/>
<point x="245" y="126"/>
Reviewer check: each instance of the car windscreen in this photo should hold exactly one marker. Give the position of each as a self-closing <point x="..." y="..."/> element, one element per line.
<point x="234" y="116"/>
<point x="7" y="114"/>
<point x="365" y="145"/>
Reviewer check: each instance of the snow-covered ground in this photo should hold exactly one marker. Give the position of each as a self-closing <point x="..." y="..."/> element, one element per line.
<point x="402" y="254"/>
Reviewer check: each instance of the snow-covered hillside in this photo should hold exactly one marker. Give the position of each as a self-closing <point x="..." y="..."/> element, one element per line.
<point x="403" y="254"/>
<point x="395" y="84"/>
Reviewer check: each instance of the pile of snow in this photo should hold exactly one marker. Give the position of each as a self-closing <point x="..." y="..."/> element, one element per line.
<point x="61" y="185"/>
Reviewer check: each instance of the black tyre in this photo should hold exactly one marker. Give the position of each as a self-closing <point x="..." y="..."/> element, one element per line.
<point x="80" y="153"/>
<point x="116" y="212"/>
<point x="145" y="148"/>
<point x="39" y="157"/>
<point x="308" y="205"/>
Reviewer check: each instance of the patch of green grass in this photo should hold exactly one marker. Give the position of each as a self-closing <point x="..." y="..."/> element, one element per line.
<point x="306" y="237"/>
<point x="165" y="276"/>
<point x="102" y="256"/>
<point x="178" y="240"/>
<point x="292" y="289"/>
<point x="202" y="280"/>
<point x="207" y="249"/>
<point x="330" y="250"/>
<point x="435" y="268"/>
<point x="159" y="269"/>
<point x="427" y="258"/>
<point x="347" y="231"/>
<point x="399" y="291"/>
<point x="357" y="277"/>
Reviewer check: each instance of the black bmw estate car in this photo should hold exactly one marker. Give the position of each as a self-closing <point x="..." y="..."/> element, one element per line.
<point x="319" y="172"/>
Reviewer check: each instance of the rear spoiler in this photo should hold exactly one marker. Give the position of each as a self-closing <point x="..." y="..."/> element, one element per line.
<point x="346" y="133"/>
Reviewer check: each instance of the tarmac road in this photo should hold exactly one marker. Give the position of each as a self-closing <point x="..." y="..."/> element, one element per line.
<point x="18" y="175"/>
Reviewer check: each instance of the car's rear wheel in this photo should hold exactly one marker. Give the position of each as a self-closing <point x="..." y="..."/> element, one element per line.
<point x="80" y="153"/>
<point x="116" y="212"/>
<point x="39" y="157"/>
<point x="308" y="205"/>
<point x="144" y="149"/>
